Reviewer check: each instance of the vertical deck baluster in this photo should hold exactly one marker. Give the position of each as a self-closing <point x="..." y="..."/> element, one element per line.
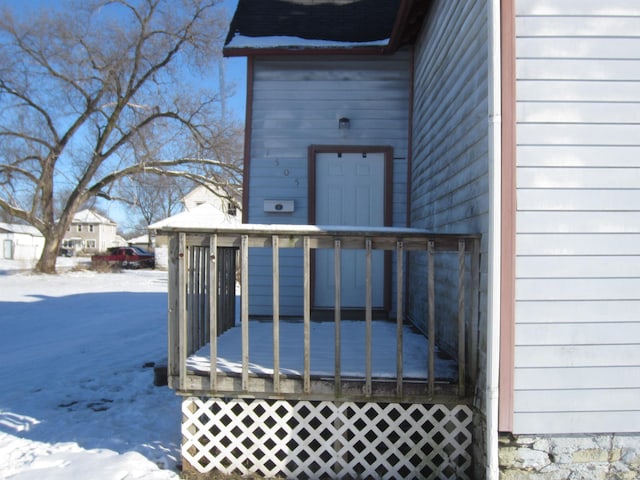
<point x="275" y="246"/>
<point x="473" y="321"/>
<point x="431" y="319"/>
<point x="206" y="287"/>
<point x="182" y="308"/>
<point x="203" y="300"/>
<point x="307" y="315"/>
<point x="368" y="317"/>
<point x="244" y="251"/>
<point x="195" y="298"/>
<point x="399" y="316"/>
<point x="337" y="253"/>
<point x="213" y="312"/>
<point x="461" y="325"/>
<point x="189" y="293"/>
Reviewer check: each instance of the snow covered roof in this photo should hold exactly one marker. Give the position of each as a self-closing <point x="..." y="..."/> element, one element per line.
<point x="305" y="24"/>
<point x="204" y="215"/>
<point x="24" y="229"/>
<point x="139" y="239"/>
<point x="89" y="216"/>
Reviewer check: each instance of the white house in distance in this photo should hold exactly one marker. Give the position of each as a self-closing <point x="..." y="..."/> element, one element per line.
<point x="20" y="242"/>
<point x="91" y="233"/>
<point x="517" y="120"/>
<point x="202" y="207"/>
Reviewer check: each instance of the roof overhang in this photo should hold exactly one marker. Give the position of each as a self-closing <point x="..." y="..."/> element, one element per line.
<point x="290" y="28"/>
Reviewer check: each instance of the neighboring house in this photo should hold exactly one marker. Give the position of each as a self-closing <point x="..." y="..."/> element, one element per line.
<point x="201" y="208"/>
<point x="91" y="232"/>
<point x="227" y="205"/>
<point x="20" y="242"/>
<point x="513" y="119"/>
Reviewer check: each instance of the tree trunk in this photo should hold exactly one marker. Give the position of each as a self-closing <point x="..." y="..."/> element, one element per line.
<point x="47" y="261"/>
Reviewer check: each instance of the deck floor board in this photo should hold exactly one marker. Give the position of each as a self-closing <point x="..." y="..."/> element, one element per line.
<point x="415" y="351"/>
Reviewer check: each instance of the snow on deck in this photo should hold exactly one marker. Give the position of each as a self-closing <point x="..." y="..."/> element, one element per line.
<point x="415" y="351"/>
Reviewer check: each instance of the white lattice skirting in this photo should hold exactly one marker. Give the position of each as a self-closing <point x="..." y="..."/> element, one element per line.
<point x="314" y="440"/>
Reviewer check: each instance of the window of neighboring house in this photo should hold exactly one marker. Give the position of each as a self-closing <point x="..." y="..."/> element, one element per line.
<point x="231" y="209"/>
<point x="91" y="228"/>
<point x="79" y="227"/>
<point x="91" y="244"/>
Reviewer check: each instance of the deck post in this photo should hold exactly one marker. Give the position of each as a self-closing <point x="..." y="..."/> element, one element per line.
<point x="431" y="318"/>
<point x="368" y="317"/>
<point x="461" y="323"/>
<point x="244" y="247"/>
<point x="174" y="311"/>
<point x="213" y="312"/>
<point x="275" y="246"/>
<point x="473" y="322"/>
<point x="182" y="308"/>
<point x="337" y="316"/>
<point x="399" y="315"/>
<point x="190" y="313"/>
<point x="307" y="315"/>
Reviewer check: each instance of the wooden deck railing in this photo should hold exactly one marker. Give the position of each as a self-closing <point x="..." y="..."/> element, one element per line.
<point x="194" y="272"/>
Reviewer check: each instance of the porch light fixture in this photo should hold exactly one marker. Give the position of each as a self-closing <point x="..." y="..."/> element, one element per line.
<point x="344" y="124"/>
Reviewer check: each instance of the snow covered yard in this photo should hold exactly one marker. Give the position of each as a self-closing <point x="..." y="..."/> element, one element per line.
<point x="76" y="399"/>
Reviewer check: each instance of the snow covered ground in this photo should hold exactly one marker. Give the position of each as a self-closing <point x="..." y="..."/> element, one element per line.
<point x="77" y="399"/>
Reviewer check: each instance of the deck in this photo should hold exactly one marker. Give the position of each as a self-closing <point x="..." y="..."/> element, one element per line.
<point x="306" y="359"/>
<point x="322" y="354"/>
<point x="344" y="397"/>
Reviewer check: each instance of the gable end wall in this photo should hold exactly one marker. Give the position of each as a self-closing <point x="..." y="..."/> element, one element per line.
<point x="296" y="103"/>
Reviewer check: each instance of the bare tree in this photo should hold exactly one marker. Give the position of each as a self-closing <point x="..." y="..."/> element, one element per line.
<point x="153" y="197"/>
<point x="101" y="90"/>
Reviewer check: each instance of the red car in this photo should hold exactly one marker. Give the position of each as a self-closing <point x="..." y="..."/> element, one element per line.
<point x="127" y="257"/>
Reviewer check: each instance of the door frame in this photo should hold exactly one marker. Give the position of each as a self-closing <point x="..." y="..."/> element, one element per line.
<point x="387" y="152"/>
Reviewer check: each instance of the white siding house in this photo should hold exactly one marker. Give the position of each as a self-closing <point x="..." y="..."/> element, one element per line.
<point x="512" y="122"/>
<point x="91" y="232"/>
<point x="577" y="330"/>
<point x="20" y="242"/>
<point x="225" y="207"/>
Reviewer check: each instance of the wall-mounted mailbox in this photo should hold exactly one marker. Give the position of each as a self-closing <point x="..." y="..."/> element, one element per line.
<point x="278" y="206"/>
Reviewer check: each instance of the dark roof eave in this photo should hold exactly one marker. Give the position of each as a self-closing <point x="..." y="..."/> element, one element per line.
<point x="264" y="51"/>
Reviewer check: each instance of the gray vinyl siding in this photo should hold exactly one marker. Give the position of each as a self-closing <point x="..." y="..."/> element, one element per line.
<point x="297" y="101"/>
<point x="449" y="178"/>
<point x="577" y="356"/>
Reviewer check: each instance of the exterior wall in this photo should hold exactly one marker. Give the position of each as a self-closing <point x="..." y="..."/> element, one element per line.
<point x="201" y="194"/>
<point x="107" y="237"/>
<point x="297" y="102"/>
<point x="23" y="246"/>
<point x="449" y="177"/>
<point x="103" y="235"/>
<point x="88" y="227"/>
<point x="577" y="353"/>
<point x="450" y="144"/>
